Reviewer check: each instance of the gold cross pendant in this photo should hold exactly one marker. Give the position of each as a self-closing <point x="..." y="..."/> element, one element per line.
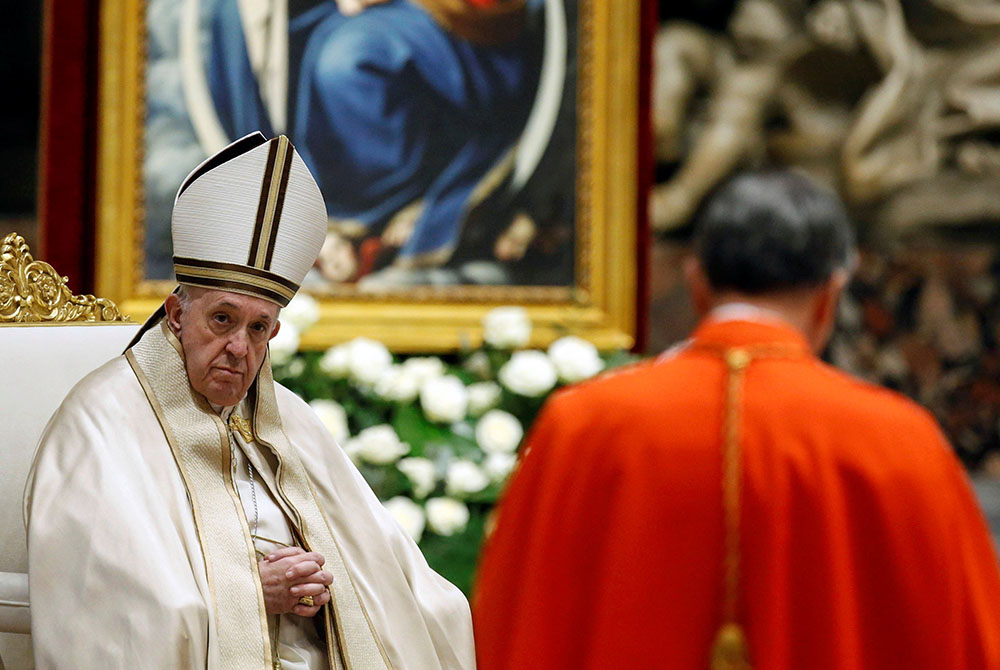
<point x="240" y="425"/>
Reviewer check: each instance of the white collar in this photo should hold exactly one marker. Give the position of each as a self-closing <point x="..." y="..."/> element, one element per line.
<point x="224" y="412"/>
<point x="744" y="311"/>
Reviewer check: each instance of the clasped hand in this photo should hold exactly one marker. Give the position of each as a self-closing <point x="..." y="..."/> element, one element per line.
<point x="292" y="573"/>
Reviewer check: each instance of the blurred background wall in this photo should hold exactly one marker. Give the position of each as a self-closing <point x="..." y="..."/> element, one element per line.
<point x="20" y="51"/>
<point x="894" y="103"/>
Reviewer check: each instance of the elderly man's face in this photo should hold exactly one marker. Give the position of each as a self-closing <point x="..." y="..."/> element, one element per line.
<point x="224" y="336"/>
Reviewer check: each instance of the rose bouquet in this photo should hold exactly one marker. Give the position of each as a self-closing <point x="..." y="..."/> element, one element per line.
<point x="435" y="437"/>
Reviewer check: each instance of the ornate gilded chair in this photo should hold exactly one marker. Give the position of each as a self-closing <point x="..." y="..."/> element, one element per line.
<point x="49" y="339"/>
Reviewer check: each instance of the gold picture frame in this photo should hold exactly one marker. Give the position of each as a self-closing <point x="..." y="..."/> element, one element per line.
<point x="600" y="305"/>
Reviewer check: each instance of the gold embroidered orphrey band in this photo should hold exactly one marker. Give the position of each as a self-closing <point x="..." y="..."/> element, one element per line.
<point x="730" y="649"/>
<point x="200" y="444"/>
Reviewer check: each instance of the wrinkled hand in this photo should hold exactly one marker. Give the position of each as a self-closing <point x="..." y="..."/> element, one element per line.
<point x="352" y="7"/>
<point x="289" y="574"/>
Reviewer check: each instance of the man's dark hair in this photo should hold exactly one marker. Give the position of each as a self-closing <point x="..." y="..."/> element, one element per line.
<point x="773" y="230"/>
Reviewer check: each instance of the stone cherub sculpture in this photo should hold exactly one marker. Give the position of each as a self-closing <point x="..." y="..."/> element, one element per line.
<point x="888" y="101"/>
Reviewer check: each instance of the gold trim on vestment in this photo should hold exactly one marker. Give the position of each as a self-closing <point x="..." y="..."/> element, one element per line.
<point x="737" y="361"/>
<point x="359" y="644"/>
<point x="195" y="433"/>
<point x="251" y="548"/>
<point x="364" y="610"/>
<point x="200" y="445"/>
<point x="332" y="644"/>
<point x="730" y="649"/>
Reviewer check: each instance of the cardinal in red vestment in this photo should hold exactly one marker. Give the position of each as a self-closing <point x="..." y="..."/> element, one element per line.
<point x="736" y="502"/>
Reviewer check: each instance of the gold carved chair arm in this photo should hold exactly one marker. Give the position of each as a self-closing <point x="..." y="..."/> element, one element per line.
<point x="33" y="292"/>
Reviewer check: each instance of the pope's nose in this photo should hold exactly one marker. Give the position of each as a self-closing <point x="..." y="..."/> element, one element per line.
<point x="237" y="345"/>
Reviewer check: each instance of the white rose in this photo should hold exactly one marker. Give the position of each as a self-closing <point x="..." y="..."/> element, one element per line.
<point x="447" y="516"/>
<point x="284" y="345"/>
<point x="336" y="361"/>
<point x="423" y="368"/>
<point x="421" y="474"/>
<point x="333" y="417"/>
<point x="498" y="432"/>
<point x="464" y="477"/>
<point x="483" y="396"/>
<point x="408" y="515"/>
<point x="396" y="385"/>
<point x="575" y="358"/>
<point x="506" y="327"/>
<point x="498" y="466"/>
<point x="302" y="312"/>
<point x="380" y="445"/>
<point x="367" y="360"/>
<point x="444" y="399"/>
<point x="295" y="368"/>
<point x="528" y="373"/>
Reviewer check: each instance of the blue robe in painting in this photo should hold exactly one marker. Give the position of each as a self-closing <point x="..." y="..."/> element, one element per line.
<point x="386" y="107"/>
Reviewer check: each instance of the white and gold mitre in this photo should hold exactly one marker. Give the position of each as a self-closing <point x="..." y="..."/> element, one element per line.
<point x="249" y="219"/>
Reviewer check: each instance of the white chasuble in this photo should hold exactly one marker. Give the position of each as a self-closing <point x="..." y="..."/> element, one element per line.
<point x="140" y="555"/>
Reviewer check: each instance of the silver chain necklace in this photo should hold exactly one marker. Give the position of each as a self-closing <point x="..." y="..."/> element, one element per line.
<point x="238" y="424"/>
<point x="253" y="496"/>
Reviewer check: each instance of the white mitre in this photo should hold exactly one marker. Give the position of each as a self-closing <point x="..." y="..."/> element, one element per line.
<point x="249" y="219"/>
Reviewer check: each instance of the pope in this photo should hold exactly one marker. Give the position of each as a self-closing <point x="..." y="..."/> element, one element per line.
<point x="185" y="511"/>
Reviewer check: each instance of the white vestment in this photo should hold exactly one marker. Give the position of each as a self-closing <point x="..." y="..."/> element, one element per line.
<point x="117" y="573"/>
<point x="298" y="643"/>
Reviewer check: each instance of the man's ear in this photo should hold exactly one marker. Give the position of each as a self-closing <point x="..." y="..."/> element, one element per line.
<point x="277" y="327"/>
<point x="825" y="308"/>
<point x="697" y="285"/>
<point x="174" y="308"/>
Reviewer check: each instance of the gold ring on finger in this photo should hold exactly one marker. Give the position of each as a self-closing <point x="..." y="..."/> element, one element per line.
<point x="307" y="601"/>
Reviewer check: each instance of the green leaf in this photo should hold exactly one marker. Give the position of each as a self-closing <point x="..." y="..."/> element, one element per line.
<point x="413" y="427"/>
<point x="523" y="407"/>
<point x="394" y="483"/>
<point x="489" y="495"/>
<point x="497" y="358"/>
<point x="464" y="375"/>
<point x="361" y="416"/>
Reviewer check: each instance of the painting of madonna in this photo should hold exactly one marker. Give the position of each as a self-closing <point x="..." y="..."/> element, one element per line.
<point x="441" y="132"/>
